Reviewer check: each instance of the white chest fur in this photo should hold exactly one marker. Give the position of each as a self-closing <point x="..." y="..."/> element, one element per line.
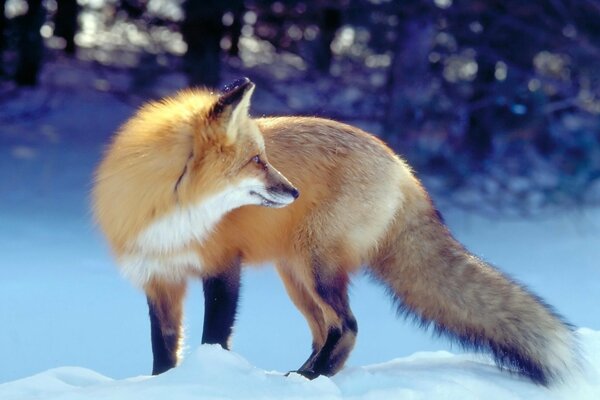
<point x="162" y="249"/>
<point x="141" y="268"/>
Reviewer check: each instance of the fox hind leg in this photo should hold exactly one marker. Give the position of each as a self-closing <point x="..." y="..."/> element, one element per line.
<point x="335" y="337"/>
<point x="304" y="301"/>
<point x="221" y="293"/>
<point x="332" y="290"/>
<point x="165" y="304"/>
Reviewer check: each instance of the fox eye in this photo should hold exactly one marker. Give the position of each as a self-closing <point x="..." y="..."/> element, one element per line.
<point x="256" y="159"/>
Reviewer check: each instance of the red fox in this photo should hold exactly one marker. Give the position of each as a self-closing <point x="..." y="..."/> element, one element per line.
<point x="191" y="186"/>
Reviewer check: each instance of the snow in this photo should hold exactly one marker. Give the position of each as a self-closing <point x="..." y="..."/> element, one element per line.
<point x="62" y="302"/>
<point x="213" y="373"/>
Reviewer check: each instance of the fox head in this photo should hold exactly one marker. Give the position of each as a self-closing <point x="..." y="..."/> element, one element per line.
<point x="179" y="165"/>
<point x="227" y="158"/>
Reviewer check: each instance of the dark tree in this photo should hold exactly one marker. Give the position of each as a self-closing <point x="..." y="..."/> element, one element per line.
<point x="236" y="8"/>
<point x="65" y="23"/>
<point x="2" y="38"/>
<point x="2" y="25"/>
<point x="409" y="73"/>
<point x="202" y="30"/>
<point x="31" y="47"/>
<point x="330" y="20"/>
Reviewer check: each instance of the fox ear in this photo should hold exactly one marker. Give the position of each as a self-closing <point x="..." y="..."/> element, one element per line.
<point x="232" y="106"/>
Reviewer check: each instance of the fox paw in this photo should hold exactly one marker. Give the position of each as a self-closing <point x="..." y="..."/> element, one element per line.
<point x="307" y="373"/>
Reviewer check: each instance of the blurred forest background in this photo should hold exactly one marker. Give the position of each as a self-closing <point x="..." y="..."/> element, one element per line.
<point x="496" y="103"/>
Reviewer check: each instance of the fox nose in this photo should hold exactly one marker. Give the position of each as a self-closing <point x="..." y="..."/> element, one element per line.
<point x="295" y="193"/>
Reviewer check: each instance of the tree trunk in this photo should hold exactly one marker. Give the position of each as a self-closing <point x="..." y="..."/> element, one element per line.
<point x="65" y="23"/>
<point x="2" y="26"/>
<point x="478" y="139"/>
<point x="2" y="38"/>
<point x="330" y="21"/>
<point x="202" y="30"/>
<point x="31" y="46"/>
<point x="408" y="73"/>
<point x="237" y="8"/>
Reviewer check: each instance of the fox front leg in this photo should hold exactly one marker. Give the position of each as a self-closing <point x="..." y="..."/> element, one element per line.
<point x="221" y="293"/>
<point x="165" y="304"/>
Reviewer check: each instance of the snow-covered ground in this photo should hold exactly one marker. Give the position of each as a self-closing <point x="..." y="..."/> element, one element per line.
<point x="69" y="318"/>
<point x="213" y="373"/>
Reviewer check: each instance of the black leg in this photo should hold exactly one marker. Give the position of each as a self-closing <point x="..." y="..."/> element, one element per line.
<point x="221" y="294"/>
<point x="165" y="304"/>
<point x="164" y="344"/>
<point x="328" y="360"/>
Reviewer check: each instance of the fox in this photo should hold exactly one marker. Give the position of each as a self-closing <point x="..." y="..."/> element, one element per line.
<point x="192" y="187"/>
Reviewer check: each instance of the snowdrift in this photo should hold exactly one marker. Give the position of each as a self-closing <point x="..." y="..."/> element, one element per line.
<point x="213" y="373"/>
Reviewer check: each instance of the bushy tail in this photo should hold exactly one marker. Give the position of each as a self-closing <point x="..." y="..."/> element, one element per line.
<point x="436" y="280"/>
